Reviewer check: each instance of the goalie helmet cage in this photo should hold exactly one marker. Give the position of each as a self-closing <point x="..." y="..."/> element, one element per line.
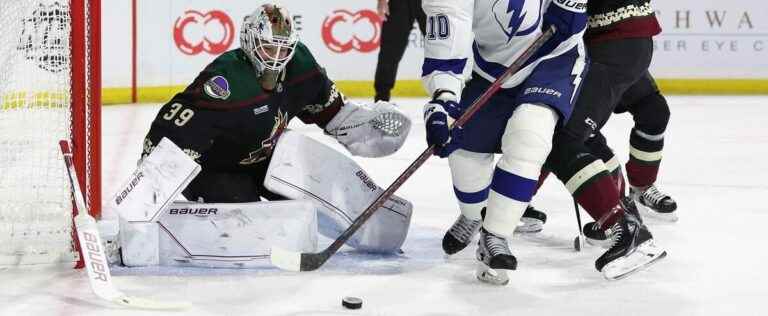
<point x="50" y="89"/>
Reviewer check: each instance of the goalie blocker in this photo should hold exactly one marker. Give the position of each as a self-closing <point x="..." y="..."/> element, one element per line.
<point x="327" y="191"/>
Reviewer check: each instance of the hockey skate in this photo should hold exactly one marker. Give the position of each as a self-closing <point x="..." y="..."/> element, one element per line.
<point x="460" y="234"/>
<point x="595" y="236"/>
<point x="598" y="237"/>
<point x="654" y="203"/>
<point x="494" y="259"/>
<point x="633" y="249"/>
<point x="532" y="221"/>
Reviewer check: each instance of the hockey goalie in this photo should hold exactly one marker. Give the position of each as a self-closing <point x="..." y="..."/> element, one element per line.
<point x="259" y="184"/>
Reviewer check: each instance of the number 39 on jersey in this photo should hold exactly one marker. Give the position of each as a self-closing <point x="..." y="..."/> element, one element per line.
<point x="178" y="114"/>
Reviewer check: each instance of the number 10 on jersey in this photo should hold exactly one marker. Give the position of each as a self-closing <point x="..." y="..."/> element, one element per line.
<point x="438" y="27"/>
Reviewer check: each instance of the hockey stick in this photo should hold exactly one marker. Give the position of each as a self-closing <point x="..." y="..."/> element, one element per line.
<point x="578" y="243"/>
<point x="296" y="261"/>
<point x="93" y="253"/>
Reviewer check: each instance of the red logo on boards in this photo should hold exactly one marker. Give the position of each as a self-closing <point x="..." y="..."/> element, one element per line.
<point x="342" y="31"/>
<point x="195" y="32"/>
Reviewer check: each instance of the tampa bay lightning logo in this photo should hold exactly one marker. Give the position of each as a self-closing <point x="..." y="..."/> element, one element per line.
<point x="511" y="18"/>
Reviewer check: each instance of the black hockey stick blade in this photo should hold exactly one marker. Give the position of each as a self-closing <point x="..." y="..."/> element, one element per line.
<point x="297" y="261"/>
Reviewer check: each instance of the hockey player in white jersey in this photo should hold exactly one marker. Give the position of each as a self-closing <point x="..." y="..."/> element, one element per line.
<point x="518" y="121"/>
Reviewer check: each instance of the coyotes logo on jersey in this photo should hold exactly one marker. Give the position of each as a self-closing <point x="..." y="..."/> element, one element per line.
<point x="261" y="154"/>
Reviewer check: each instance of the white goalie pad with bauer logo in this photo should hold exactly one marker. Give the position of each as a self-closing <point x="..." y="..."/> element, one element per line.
<point x="158" y="180"/>
<point x="219" y="235"/>
<point x="305" y="169"/>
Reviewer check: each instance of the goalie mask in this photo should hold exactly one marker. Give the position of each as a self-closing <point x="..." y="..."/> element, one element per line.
<point x="269" y="40"/>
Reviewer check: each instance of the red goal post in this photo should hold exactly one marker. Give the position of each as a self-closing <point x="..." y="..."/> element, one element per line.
<point x="86" y="96"/>
<point x="86" y="101"/>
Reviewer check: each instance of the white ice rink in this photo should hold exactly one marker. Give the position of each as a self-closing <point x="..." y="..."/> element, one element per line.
<point x="714" y="165"/>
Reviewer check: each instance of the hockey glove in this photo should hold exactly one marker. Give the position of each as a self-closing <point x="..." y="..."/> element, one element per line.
<point x="370" y="130"/>
<point x="569" y="17"/>
<point x="439" y="113"/>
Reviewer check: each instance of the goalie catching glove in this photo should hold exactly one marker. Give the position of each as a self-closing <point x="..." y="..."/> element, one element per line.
<point x="370" y="130"/>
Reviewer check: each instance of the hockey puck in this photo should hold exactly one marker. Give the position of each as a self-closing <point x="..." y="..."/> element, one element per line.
<point x="576" y="244"/>
<point x="352" y="302"/>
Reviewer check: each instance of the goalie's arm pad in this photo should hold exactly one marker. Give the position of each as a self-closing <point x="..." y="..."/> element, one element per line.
<point x="369" y="130"/>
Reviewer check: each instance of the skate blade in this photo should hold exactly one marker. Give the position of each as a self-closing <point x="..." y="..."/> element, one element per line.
<point x="650" y="213"/>
<point x="491" y="276"/>
<point x="645" y="255"/>
<point x="529" y="226"/>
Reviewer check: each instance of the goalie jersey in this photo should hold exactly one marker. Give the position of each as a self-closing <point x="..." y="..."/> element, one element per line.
<point x="502" y="30"/>
<point x="226" y="122"/>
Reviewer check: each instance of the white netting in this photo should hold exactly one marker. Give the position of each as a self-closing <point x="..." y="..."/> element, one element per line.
<point x="35" y="205"/>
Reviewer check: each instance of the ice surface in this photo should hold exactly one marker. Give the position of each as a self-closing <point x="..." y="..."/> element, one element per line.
<point x="713" y="165"/>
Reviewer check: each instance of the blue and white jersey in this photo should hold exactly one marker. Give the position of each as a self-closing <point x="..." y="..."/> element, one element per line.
<point x="495" y="33"/>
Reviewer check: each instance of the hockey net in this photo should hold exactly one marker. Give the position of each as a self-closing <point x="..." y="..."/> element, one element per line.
<point x="49" y="90"/>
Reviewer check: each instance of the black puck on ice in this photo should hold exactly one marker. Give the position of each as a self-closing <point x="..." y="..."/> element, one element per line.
<point x="576" y="244"/>
<point x="352" y="302"/>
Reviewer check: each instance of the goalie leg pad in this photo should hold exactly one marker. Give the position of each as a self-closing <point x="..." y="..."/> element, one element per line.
<point x="139" y="243"/>
<point x="304" y="169"/>
<point x="157" y="181"/>
<point x="220" y="235"/>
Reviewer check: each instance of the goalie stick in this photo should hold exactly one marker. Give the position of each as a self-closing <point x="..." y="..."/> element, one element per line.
<point x="92" y="251"/>
<point x="297" y="261"/>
